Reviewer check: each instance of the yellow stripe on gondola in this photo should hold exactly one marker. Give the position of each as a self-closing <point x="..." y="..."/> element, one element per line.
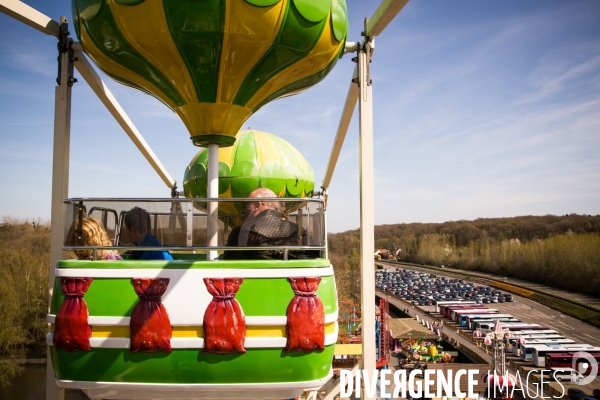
<point x="117" y="70"/>
<point x="326" y="49"/>
<point x="249" y="33"/>
<point x="197" y="331"/>
<point x="188" y="331"/>
<point x="110" y="331"/>
<point x="145" y="28"/>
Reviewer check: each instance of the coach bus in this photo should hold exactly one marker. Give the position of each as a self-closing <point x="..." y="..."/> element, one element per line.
<point x="570" y="360"/>
<point x="454" y="314"/>
<point x="487" y="327"/>
<point x="538" y="352"/>
<point x="458" y="314"/>
<point x="447" y="310"/>
<point x="487" y="324"/>
<point x="511" y="342"/>
<point x="478" y="323"/>
<point x="464" y="319"/>
<point x="440" y="304"/>
<point x="526" y="350"/>
<point x="468" y="321"/>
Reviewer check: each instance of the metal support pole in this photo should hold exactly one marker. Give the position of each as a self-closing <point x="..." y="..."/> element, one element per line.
<point x="60" y="181"/>
<point x="212" y="223"/>
<point x="189" y="242"/>
<point x="367" y="236"/>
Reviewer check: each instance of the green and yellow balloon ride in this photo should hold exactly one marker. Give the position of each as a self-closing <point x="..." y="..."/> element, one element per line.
<point x="256" y="160"/>
<point x="262" y="325"/>
<point x="214" y="62"/>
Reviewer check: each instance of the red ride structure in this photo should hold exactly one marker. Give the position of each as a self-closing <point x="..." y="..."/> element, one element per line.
<point x="383" y="341"/>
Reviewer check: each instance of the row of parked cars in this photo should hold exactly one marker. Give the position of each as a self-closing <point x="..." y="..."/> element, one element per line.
<point x="425" y="289"/>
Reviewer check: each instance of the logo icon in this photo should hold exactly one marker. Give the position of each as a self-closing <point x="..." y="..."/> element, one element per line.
<point x="584" y="363"/>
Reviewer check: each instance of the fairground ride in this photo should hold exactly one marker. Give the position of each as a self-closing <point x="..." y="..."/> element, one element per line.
<point x="143" y="328"/>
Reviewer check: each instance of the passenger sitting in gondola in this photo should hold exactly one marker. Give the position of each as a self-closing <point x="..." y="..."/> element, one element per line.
<point x="93" y="234"/>
<point x="137" y="222"/>
<point x="264" y="224"/>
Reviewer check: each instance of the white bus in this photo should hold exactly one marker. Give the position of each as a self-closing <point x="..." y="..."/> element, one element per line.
<point x="539" y="352"/>
<point x="534" y="332"/>
<point x="526" y="350"/>
<point x="511" y="343"/>
<point x="465" y="319"/>
<point x="487" y="327"/>
<point x="476" y="323"/>
<point x="470" y="320"/>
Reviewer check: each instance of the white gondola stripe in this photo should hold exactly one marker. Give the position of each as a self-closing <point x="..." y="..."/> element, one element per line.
<point x="212" y="387"/>
<point x="198" y="273"/>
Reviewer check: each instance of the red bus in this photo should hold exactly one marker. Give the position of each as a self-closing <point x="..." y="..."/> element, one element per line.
<point x="445" y="307"/>
<point x="567" y="360"/>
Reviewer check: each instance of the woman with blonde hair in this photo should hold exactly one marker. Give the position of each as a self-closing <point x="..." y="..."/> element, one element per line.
<point x="93" y="234"/>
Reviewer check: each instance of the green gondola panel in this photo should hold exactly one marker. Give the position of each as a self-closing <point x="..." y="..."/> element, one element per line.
<point x="253" y="351"/>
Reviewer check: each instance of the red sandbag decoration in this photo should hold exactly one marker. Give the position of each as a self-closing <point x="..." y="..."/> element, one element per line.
<point x="71" y="329"/>
<point x="305" y="316"/>
<point x="150" y="327"/>
<point x="224" y="322"/>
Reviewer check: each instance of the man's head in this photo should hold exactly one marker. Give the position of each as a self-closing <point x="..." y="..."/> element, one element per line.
<point x="137" y="222"/>
<point x="252" y="209"/>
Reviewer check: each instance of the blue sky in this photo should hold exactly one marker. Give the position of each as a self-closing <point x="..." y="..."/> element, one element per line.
<point x="482" y="109"/>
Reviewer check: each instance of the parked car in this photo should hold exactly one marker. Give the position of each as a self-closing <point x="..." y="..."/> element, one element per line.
<point x="566" y="375"/>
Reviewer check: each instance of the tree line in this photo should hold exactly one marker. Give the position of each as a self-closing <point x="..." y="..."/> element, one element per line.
<point x="561" y="251"/>
<point x="24" y="262"/>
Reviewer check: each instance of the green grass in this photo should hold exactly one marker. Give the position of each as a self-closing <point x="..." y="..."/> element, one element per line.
<point x="573" y="310"/>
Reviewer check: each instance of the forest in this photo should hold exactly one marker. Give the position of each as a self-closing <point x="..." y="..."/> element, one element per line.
<point x="560" y="251"/>
<point x="24" y="259"/>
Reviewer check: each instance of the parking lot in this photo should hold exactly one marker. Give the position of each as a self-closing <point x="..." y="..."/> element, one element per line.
<point x="521" y="308"/>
